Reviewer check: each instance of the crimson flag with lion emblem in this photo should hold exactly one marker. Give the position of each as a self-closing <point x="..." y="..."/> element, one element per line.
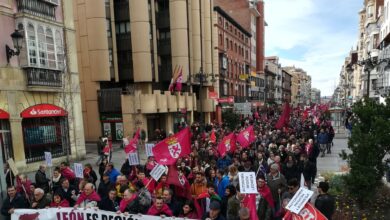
<point x="246" y="137"/>
<point x="167" y="151"/>
<point x="228" y="144"/>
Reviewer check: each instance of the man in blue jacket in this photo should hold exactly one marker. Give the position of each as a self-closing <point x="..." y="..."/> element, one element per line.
<point x="221" y="182"/>
<point x="322" y="140"/>
<point x="12" y="202"/>
<point x="112" y="172"/>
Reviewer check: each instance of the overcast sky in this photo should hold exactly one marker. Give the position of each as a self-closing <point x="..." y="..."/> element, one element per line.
<point x="315" y="35"/>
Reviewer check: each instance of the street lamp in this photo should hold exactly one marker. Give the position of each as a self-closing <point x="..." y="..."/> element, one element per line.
<point x="201" y="77"/>
<point x="17" y="38"/>
<point x="369" y="64"/>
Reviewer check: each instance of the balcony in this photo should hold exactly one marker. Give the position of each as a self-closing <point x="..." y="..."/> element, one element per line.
<point x="43" y="77"/>
<point x="44" y="9"/>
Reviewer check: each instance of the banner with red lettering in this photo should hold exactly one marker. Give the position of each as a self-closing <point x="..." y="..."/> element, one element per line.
<point x="228" y="144"/>
<point x="77" y="214"/>
<point x="246" y="137"/>
<point x="171" y="148"/>
<point x="308" y="212"/>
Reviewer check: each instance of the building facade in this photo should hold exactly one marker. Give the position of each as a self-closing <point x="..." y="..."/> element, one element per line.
<point x="273" y="74"/>
<point x="315" y="96"/>
<point x="250" y="15"/>
<point x="300" y="86"/>
<point x="128" y="51"/>
<point x="286" y="86"/>
<point x="40" y="104"/>
<point x="233" y="56"/>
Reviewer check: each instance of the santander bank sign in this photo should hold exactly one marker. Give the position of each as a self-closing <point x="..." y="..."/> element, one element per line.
<point x="43" y="110"/>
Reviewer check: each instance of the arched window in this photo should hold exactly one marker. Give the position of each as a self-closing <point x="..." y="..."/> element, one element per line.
<point x="32" y="43"/>
<point x="51" y="57"/>
<point x="60" y="50"/>
<point x="42" y="47"/>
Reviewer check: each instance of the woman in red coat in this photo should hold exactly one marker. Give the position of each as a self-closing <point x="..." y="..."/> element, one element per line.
<point x="58" y="201"/>
<point x="189" y="210"/>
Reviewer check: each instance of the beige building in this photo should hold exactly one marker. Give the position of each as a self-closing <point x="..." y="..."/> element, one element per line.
<point x="127" y="51"/>
<point x="300" y="86"/>
<point x="40" y="105"/>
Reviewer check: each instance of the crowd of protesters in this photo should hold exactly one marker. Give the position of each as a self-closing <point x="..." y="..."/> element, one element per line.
<point x="279" y="157"/>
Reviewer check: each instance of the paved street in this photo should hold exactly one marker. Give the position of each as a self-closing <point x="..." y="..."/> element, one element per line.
<point x="332" y="162"/>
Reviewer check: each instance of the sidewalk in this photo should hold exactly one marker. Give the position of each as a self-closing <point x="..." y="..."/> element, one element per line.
<point x="118" y="158"/>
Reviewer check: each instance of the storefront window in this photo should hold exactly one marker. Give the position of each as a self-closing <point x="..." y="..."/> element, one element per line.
<point x="5" y="139"/>
<point x="45" y="129"/>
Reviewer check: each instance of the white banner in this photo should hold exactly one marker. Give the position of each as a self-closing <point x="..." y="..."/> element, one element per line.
<point x="148" y="149"/>
<point x="247" y="181"/>
<point x="157" y="172"/>
<point x="133" y="159"/>
<point x="48" y="159"/>
<point x="78" y="214"/>
<point x="299" y="200"/>
<point x="78" y="170"/>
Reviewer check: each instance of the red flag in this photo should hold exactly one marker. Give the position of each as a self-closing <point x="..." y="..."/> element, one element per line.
<point x="305" y="114"/>
<point x="308" y="212"/>
<point x="213" y="138"/>
<point x="284" y="117"/>
<point x="246" y="137"/>
<point x="168" y="150"/>
<point x="182" y="186"/>
<point x="132" y="146"/>
<point x="250" y="202"/>
<point x="257" y="115"/>
<point x="179" y="80"/>
<point x="108" y="147"/>
<point x="228" y="144"/>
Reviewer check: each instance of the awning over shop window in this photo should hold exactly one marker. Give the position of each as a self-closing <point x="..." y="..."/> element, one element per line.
<point x="4" y="114"/>
<point x="43" y="110"/>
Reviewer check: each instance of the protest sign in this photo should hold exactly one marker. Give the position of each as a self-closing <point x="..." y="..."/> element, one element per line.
<point x="133" y="159"/>
<point x="157" y="172"/>
<point x="299" y="200"/>
<point x="78" y="170"/>
<point x="149" y="149"/>
<point x="48" y="158"/>
<point x="78" y="214"/>
<point x="309" y="212"/>
<point x="12" y="166"/>
<point x="247" y="181"/>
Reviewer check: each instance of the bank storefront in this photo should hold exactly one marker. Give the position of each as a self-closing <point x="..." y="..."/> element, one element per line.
<point x="45" y="129"/>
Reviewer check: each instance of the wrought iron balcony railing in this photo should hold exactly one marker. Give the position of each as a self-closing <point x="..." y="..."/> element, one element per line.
<point x="43" y="77"/>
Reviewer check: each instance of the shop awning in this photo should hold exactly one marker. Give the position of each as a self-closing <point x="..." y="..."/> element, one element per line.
<point x="43" y="110"/>
<point x="4" y="114"/>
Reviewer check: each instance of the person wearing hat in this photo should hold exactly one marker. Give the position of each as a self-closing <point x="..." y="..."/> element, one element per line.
<point x="214" y="213"/>
<point x="325" y="203"/>
<point x="277" y="184"/>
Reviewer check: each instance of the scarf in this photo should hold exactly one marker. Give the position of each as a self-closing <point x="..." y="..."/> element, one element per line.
<point x="123" y="204"/>
<point x="56" y="179"/>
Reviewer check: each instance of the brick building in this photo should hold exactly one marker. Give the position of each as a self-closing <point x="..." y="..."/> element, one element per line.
<point x="234" y="58"/>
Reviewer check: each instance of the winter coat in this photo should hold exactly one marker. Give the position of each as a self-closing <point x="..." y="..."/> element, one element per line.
<point x="90" y="200"/>
<point x="67" y="194"/>
<point x="43" y="203"/>
<point x="17" y="203"/>
<point x="275" y="183"/>
<point x="42" y="181"/>
<point x="107" y="204"/>
<point x="232" y="208"/>
<point x="220" y="185"/>
<point x="63" y="203"/>
<point x="325" y="203"/>
<point x="322" y="138"/>
<point x="104" y="188"/>
<point x="163" y="211"/>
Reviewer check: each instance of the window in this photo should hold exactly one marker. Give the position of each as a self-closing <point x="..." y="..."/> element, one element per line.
<point x="108" y="24"/>
<point x="42" y="47"/>
<point x="51" y="56"/>
<point x="220" y="39"/>
<point x="60" y="50"/>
